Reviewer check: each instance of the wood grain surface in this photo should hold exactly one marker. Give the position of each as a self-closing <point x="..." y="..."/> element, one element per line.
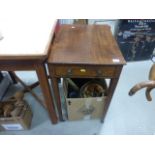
<point x="85" y="44"/>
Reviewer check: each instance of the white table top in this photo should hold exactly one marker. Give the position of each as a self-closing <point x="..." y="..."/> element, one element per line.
<point x="25" y="36"/>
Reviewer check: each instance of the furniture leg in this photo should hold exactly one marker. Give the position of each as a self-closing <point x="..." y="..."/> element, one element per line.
<point x="111" y="90"/>
<point x="34" y="85"/>
<point x="12" y="77"/>
<point x="27" y="88"/>
<point x="57" y="96"/>
<point x="42" y="76"/>
<point x="113" y="84"/>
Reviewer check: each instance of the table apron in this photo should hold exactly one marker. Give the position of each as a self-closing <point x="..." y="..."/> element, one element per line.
<point x="85" y="71"/>
<point x="20" y="66"/>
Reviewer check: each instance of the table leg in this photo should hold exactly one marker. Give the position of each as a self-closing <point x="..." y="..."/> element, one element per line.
<point x="57" y="96"/>
<point x="42" y="76"/>
<point x="111" y="90"/>
<point x="112" y="86"/>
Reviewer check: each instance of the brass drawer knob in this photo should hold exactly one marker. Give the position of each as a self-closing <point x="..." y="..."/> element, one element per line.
<point x="69" y="71"/>
<point x="99" y="72"/>
<point x="83" y="70"/>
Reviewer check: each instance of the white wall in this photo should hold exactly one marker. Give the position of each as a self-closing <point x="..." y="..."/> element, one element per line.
<point x="111" y="22"/>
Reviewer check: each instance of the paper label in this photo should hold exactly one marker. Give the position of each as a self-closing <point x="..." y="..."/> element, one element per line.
<point x="12" y="126"/>
<point x="87" y="117"/>
<point x="99" y="99"/>
<point x="116" y="60"/>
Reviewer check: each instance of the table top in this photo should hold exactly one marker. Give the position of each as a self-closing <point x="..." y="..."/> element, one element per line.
<point x="85" y="44"/>
<point x="25" y="37"/>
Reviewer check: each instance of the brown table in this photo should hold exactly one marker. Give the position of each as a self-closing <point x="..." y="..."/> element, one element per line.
<point x="86" y="51"/>
<point x="24" y="45"/>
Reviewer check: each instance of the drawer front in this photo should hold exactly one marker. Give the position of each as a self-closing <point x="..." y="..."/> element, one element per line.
<point x="106" y="71"/>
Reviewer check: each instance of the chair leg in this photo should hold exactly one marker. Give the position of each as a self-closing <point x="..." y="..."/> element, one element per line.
<point x="28" y="89"/>
<point x="13" y="77"/>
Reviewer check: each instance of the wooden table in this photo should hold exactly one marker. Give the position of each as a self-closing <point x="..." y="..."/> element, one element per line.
<point x="86" y="51"/>
<point x="24" y="45"/>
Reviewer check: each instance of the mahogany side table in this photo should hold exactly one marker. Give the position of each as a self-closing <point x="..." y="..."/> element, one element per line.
<point x="85" y="51"/>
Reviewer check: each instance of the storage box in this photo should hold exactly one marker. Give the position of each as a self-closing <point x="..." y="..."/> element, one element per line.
<point x="17" y="123"/>
<point x="83" y="108"/>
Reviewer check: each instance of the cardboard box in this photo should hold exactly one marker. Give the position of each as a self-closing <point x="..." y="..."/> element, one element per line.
<point x="83" y="108"/>
<point x="21" y="122"/>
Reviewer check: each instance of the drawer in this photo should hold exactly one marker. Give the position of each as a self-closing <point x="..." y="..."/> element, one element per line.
<point x="105" y="71"/>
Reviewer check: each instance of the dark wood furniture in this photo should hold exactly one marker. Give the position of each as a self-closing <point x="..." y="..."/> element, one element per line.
<point x="85" y="51"/>
<point x="25" y="46"/>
